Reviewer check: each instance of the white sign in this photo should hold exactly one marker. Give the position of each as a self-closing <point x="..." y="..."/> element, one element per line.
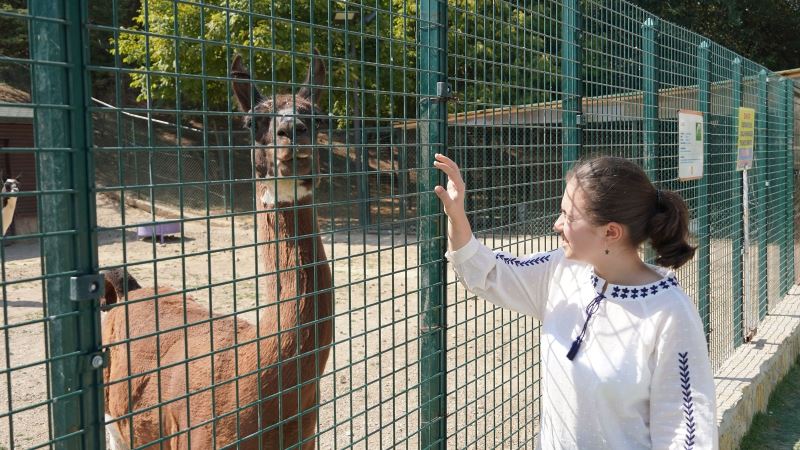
<point x="690" y="145"/>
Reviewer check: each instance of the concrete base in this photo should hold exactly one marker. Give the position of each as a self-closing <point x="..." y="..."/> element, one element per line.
<point x="747" y="378"/>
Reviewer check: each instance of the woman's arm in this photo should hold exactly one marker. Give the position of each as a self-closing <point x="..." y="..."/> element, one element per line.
<point x="519" y="284"/>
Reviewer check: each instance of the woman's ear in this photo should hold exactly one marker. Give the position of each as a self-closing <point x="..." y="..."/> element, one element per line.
<point x="614" y="232"/>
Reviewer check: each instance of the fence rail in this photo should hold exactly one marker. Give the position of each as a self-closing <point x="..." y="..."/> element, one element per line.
<point x="135" y="116"/>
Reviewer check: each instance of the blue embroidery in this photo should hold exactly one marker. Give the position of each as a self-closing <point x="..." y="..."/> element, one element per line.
<point x="688" y="402"/>
<point x="510" y="260"/>
<point x="640" y="292"/>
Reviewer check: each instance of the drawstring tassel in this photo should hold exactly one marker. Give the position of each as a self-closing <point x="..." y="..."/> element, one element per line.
<point x="591" y="308"/>
<point x="576" y="344"/>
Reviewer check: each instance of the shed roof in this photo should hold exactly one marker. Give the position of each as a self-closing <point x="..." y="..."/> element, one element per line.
<point x="14" y="106"/>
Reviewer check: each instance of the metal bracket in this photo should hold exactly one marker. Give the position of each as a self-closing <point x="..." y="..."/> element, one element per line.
<point x="579" y="119"/>
<point x="86" y="287"/>
<point x="443" y="94"/>
<point x="425" y="329"/>
<point x="94" y="361"/>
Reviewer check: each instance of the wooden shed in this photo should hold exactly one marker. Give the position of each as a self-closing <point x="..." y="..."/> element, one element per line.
<point x="16" y="132"/>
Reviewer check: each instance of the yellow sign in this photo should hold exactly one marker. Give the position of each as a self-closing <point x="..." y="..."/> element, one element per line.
<point x="747" y="120"/>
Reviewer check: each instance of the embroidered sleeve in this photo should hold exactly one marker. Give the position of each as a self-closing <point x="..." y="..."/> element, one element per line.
<point x="516" y="283"/>
<point x="682" y="397"/>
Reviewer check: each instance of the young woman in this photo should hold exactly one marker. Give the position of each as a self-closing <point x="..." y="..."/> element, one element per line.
<point x="624" y="358"/>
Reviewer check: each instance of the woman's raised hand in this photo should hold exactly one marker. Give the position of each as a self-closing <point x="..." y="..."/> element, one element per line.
<point x="459" y="231"/>
<point x="453" y="197"/>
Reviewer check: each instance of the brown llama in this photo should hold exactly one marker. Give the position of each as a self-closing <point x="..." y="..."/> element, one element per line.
<point x="190" y="379"/>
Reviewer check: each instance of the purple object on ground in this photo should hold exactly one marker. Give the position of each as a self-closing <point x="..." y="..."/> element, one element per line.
<point x="158" y="230"/>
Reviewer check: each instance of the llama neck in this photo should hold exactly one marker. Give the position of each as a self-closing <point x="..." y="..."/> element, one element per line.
<point x="8" y="213"/>
<point x="295" y="265"/>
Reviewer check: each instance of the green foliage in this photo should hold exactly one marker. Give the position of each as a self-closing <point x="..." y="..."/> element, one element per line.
<point x="14" y="44"/>
<point x="503" y="53"/>
<point x="189" y="46"/>
<point x="764" y="31"/>
<point x="499" y="52"/>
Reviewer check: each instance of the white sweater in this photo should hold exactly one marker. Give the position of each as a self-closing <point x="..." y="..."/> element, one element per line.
<point x="641" y="378"/>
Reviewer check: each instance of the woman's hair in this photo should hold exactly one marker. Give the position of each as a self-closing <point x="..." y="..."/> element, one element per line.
<point x="618" y="190"/>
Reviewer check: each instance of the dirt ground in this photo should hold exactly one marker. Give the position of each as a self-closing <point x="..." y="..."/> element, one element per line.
<point x="370" y="388"/>
<point x="369" y="391"/>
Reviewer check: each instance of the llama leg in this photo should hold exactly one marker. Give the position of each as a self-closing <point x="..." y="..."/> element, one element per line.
<point x="310" y="429"/>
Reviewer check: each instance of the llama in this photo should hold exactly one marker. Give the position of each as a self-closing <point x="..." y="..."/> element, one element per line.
<point x="11" y="186"/>
<point x="223" y="381"/>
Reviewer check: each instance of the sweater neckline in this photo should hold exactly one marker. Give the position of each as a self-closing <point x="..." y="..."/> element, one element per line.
<point x="622" y="292"/>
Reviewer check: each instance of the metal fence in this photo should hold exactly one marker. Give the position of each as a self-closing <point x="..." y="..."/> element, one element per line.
<point x="137" y="129"/>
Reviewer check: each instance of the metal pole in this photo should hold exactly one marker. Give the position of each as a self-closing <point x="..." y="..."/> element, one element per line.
<point x="760" y="166"/>
<point x="68" y="223"/>
<point x="739" y="252"/>
<point x="790" y="187"/>
<point x="704" y="244"/>
<point x="361" y="156"/>
<point x="572" y="82"/>
<point x="786" y="249"/>
<point x="650" y="91"/>
<point x="432" y="129"/>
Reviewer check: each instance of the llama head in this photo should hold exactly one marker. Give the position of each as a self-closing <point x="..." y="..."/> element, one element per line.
<point x="11" y="185"/>
<point x="284" y="127"/>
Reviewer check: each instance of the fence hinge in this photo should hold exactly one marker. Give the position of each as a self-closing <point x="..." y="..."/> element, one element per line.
<point x="86" y="287"/>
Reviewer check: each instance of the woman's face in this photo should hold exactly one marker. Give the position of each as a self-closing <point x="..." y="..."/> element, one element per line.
<point x="582" y="240"/>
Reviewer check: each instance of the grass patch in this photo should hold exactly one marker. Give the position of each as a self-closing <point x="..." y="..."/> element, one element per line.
<point x="779" y="426"/>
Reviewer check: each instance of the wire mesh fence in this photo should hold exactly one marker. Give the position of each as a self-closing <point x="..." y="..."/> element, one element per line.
<point x="288" y="287"/>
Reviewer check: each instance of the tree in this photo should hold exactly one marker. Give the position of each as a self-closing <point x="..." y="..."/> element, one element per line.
<point x="14" y="44"/>
<point x="181" y="52"/>
<point x="764" y="31"/>
<point x="184" y="54"/>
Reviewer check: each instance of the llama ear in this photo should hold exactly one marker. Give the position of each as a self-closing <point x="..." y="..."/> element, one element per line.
<point x="314" y="78"/>
<point x="18" y="177"/>
<point x="241" y="89"/>
<point x="109" y="295"/>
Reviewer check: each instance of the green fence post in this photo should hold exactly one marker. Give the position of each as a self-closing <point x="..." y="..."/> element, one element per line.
<point x="650" y="127"/>
<point x="67" y="221"/>
<point x="759" y="189"/>
<point x="786" y="198"/>
<point x="738" y="249"/>
<point x="571" y="83"/>
<point x="704" y="259"/>
<point x="790" y="184"/>
<point x="432" y="129"/>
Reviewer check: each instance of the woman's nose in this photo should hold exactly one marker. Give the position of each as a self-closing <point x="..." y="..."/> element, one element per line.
<point x="558" y="226"/>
